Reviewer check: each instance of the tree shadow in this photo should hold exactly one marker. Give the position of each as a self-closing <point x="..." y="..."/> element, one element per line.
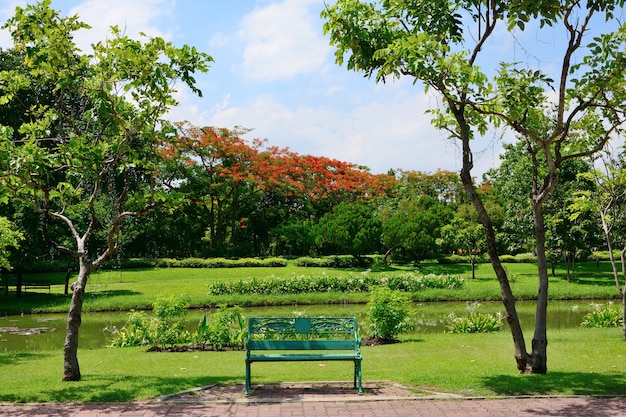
<point x="13" y="358"/>
<point x="576" y="383"/>
<point x="119" y="388"/>
<point x="598" y="407"/>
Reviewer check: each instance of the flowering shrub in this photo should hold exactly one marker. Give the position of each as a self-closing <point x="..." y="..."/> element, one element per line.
<point x="363" y="282"/>
<point x="609" y="315"/>
<point x="474" y="322"/>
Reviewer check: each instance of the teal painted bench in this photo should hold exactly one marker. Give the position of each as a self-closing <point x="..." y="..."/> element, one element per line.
<point x="297" y="339"/>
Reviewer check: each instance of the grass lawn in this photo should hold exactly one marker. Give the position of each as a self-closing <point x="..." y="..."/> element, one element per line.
<point x="581" y="362"/>
<point x="139" y="288"/>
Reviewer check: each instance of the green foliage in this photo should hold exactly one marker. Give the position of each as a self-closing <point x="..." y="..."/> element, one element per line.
<point x="387" y="313"/>
<point x="9" y="238"/>
<point x="338" y="261"/>
<point x="165" y="328"/>
<point x="475" y="322"/>
<point x="225" y="327"/>
<point x="609" y="315"/>
<point x="351" y="228"/>
<point x="221" y="263"/>
<point x="364" y="282"/>
<point x="527" y="258"/>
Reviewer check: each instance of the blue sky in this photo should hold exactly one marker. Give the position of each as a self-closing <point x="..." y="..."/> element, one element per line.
<point x="274" y="73"/>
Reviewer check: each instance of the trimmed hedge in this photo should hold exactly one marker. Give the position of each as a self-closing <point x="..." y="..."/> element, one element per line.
<point x="338" y="261"/>
<point x="363" y="282"/>
<point x="221" y="263"/>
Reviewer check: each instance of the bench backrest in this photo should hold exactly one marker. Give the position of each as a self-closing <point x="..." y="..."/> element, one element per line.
<point x="302" y="333"/>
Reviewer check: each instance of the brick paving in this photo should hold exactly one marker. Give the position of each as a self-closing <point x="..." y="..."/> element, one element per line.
<point x="325" y="399"/>
<point x="521" y="407"/>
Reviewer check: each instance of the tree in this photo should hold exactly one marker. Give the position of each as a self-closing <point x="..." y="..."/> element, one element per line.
<point x="9" y="238"/>
<point x="88" y="171"/>
<point x="607" y="201"/>
<point x="414" y="227"/>
<point x="566" y="240"/>
<point x="352" y="229"/>
<point x="465" y="233"/>
<point x="439" y="44"/>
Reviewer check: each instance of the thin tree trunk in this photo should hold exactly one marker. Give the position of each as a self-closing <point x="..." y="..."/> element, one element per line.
<point x="71" y="368"/>
<point x="521" y="355"/>
<point x="609" y="246"/>
<point x="539" y="357"/>
<point x="623" y="293"/>
<point x="19" y="281"/>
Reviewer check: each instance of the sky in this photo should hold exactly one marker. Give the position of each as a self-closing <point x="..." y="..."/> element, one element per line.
<point x="275" y="73"/>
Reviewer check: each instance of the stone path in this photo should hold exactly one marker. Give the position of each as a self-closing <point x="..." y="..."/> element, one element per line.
<point x="381" y="399"/>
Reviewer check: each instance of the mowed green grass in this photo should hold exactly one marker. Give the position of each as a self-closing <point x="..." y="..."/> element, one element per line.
<point x="121" y="290"/>
<point x="581" y="362"/>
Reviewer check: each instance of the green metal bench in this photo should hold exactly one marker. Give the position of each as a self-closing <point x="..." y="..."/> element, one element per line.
<point x="303" y="339"/>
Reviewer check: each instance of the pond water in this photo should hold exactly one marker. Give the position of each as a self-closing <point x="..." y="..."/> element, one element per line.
<point x="40" y="332"/>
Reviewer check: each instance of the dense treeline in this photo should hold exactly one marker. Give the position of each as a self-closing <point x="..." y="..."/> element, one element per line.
<point x="239" y="198"/>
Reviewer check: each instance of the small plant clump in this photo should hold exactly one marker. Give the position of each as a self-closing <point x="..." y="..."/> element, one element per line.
<point x="387" y="314"/>
<point x="609" y="315"/>
<point x="474" y="322"/>
<point x="224" y="328"/>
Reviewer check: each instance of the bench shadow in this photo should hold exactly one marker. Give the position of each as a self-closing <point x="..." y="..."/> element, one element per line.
<point x="578" y="383"/>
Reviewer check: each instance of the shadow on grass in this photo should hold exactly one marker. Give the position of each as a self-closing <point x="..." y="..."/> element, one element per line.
<point x="31" y="301"/>
<point x="13" y="358"/>
<point x="111" y="389"/>
<point x="574" y="383"/>
<point x="110" y="293"/>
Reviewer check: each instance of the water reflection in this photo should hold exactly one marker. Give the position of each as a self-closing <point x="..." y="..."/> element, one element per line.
<point x="429" y="318"/>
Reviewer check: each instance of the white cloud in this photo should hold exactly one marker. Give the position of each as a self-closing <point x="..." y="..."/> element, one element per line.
<point x="383" y="134"/>
<point x="7" y="10"/>
<point x="283" y="40"/>
<point x="132" y="17"/>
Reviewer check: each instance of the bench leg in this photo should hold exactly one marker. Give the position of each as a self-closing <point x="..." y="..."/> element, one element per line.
<point x="357" y="376"/>
<point x="247" y="393"/>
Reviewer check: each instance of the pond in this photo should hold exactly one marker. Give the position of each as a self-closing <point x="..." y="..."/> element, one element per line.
<point x="47" y="331"/>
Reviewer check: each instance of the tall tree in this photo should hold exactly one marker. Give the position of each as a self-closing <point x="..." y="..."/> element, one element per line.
<point x="86" y="171"/>
<point x="414" y="227"/>
<point x="351" y="228"/>
<point x="439" y="43"/>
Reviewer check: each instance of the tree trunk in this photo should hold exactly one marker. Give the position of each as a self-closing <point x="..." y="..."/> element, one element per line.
<point x="19" y="281"/>
<point x="609" y="246"/>
<point x="521" y="356"/>
<point x="623" y="292"/>
<point x="539" y="358"/>
<point x="71" y="369"/>
<point x="567" y="265"/>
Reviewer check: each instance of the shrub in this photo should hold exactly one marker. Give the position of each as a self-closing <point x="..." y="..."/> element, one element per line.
<point x="165" y="328"/>
<point x="170" y="313"/>
<point x="221" y="263"/>
<point x="474" y="322"/>
<point x="225" y="327"/>
<point x="527" y="258"/>
<point x="387" y="313"/>
<point x="609" y="315"/>
<point x="136" y="332"/>
<point x="362" y="282"/>
<point x="339" y="261"/>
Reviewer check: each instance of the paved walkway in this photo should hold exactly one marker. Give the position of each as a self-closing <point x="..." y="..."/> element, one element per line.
<point x="524" y="407"/>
